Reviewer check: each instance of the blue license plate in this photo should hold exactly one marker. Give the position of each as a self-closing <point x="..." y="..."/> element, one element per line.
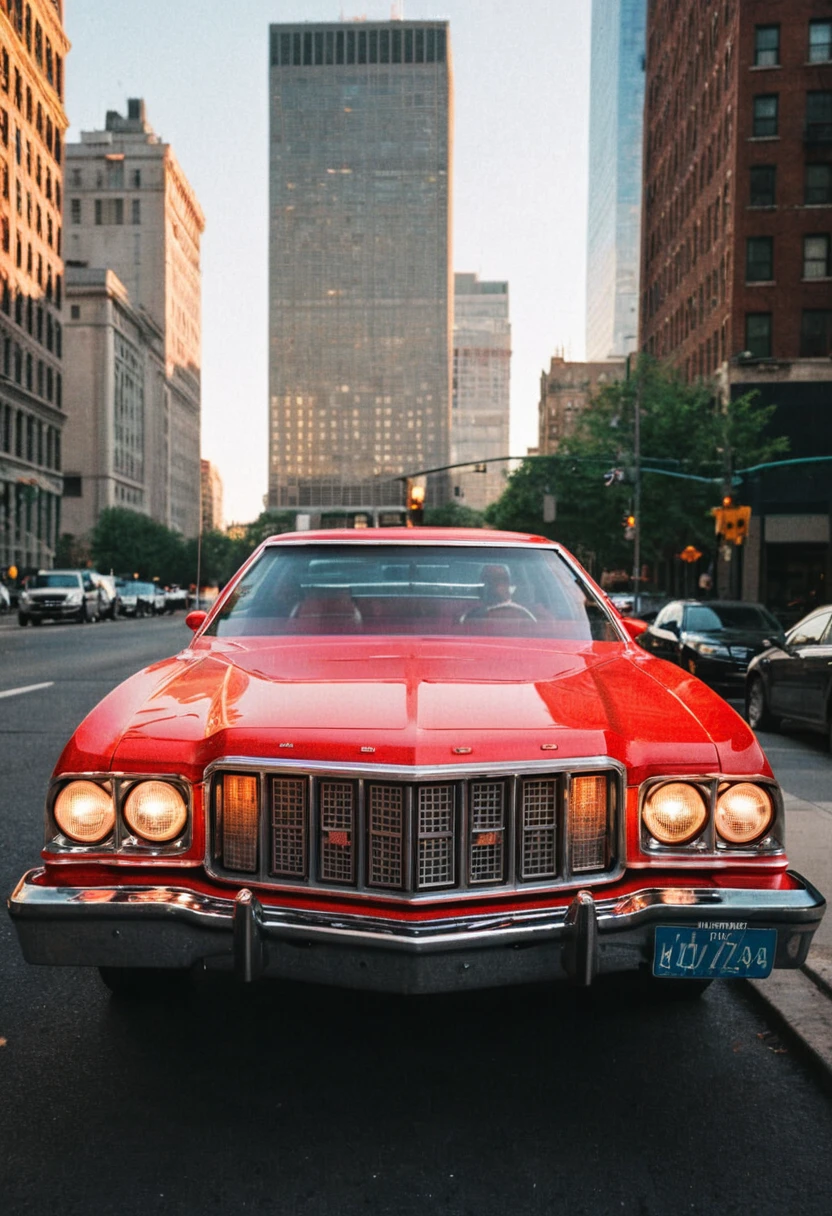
<point x="713" y="953"/>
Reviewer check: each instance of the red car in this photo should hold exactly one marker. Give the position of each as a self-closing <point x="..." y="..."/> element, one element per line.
<point x="415" y="760"/>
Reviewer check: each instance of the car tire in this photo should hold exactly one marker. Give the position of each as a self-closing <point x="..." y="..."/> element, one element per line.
<point x="83" y="615"/>
<point x="145" y="983"/>
<point x="22" y="618"/>
<point x="757" y="712"/>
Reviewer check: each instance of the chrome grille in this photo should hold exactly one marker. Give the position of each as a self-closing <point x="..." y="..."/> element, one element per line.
<point x="289" y="826"/>
<point x="386" y="827"/>
<point x="403" y="837"/>
<point x="337" y="813"/>
<point x="539" y="830"/>
<point x="436" y="836"/>
<point x="488" y="821"/>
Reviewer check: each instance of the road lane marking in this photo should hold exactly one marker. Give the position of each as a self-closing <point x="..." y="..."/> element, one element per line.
<point x="16" y="692"/>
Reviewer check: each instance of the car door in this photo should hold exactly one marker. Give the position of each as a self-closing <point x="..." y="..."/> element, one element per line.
<point x="662" y="638"/>
<point x="799" y="680"/>
<point x="90" y="596"/>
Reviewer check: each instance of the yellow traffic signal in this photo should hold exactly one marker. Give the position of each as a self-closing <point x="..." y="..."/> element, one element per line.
<point x="415" y="503"/>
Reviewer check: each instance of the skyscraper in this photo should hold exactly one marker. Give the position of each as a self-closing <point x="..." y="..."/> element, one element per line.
<point x="614" y="216"/>
<point x="482" y="379"/>
<point x="33" y="48"/>
<point x="359" y="281"/>
<point x="131" y="210"/>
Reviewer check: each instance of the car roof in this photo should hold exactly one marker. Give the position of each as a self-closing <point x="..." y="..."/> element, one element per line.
<point x="481" y="536"/>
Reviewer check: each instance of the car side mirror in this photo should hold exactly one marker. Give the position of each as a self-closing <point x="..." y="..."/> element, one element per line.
<point x="634" y="626"/>
<point x="195" y="620"/>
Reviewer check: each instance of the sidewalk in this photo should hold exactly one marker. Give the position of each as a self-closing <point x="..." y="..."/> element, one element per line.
<point x="803" y="999"/>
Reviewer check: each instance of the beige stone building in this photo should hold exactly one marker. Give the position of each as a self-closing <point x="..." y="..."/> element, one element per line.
<point x="565" y="390"/>
<point x="212" y="513"/>
<point x="130" y="209"/>
<point x="481" y="389"/>
<point x="33" y="49"/>
<point x="116" y="448"/>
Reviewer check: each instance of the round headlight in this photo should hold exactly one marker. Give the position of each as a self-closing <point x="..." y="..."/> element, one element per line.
<point x="156" y="811"/>
<point x="743" y="813"/>
<point x="84" y="812"/>
<point x="674" y="813"/>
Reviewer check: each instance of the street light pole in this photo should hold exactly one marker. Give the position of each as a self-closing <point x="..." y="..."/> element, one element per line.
<point x="637" y="490"/>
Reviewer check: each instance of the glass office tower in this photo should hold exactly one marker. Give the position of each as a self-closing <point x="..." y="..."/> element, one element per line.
<point x="359" y="255"/>
<point x="616" y="120"/>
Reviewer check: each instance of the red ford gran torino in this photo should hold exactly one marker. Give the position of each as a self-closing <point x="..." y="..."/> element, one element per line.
<point x="415" y="760"/>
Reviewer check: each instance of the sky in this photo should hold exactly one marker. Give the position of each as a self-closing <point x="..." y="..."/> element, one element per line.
<point x="521" y="100"/>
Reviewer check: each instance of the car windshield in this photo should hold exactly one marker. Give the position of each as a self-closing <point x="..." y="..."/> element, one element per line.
<point x="54" y="580"/>
<point x="713" y="618"/>
<point x="415" y="589"/>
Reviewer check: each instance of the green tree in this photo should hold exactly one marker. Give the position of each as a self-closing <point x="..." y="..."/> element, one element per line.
<point x="129" y="543"/>
<point x="684" y="430"/>
<point x="453" y="515"/>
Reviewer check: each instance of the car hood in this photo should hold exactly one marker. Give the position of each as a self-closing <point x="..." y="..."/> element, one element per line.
<point x="413" y="701"/>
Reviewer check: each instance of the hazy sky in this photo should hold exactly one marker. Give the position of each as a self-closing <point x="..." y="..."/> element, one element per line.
<point x="521" y="81"/>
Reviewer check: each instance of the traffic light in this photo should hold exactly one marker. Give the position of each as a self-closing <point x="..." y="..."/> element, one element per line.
<point x="731" y="522"/>
<point x="415" y="504"/>
<point x="629" y="527"/>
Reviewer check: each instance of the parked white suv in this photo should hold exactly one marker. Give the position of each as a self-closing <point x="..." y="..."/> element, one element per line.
<point x="59" y="595"/>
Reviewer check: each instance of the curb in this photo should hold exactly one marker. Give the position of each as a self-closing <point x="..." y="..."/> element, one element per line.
<point x="802" y="1001"/>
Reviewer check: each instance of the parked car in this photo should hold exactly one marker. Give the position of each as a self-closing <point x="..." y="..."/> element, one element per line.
<point x="106" y="585"/>
<point x="128" y="600"/>
<point x="59" y="595"/>
<point x="793" y="679"/>
<point x="176" y="598"/>
<point x="714" y="640"/>
<point x="650" y="604"/>
<point x="420" y="763"/>
<point x="151" y="599"/>
<point x="5" y="598"/>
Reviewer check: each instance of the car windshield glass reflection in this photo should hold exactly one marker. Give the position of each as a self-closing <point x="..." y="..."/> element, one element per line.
<point x="423" y="590"/>
<point x="54" y="580"/>
<point x="716" y="617"/>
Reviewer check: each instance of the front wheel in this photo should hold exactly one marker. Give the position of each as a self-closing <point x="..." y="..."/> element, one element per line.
<point x="145" y="983"/>
<point x="83" y="615"/>
<point x="757" y="711"/>
<point x="22" y="618"/>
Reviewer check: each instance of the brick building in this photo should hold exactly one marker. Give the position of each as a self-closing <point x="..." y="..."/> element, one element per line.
<point x="33" y="50"/>
<point x="565" y="390"/>
<point x="736" y="276"/>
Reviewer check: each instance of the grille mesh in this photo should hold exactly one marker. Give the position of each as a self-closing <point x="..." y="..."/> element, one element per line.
<point x="289" y="826"/>
<point x="539" y="807"/>
<point x="487" y="801"/>
<point x="337" y="812"/>
<point x="386" y="828"/>
<point x="406" y="836"/>
<point x="436" y="835"/>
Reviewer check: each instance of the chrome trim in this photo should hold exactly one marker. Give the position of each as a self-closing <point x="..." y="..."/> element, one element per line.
<point x="123" y="842"/>
<point x="708" y="844"/>
<point x="804" y="905"/>
<point x="365" y="774"/>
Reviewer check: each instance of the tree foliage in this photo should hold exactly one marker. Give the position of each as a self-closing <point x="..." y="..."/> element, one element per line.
<point x="453" y="515"/>
<point x="684" y="430"/>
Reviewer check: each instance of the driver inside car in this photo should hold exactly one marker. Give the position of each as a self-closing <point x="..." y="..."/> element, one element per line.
<point x="496" y="597"/>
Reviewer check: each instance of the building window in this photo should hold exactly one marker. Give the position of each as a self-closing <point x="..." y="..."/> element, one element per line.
<point x="137" y="179"/>
<point x="758" y="334"/>
<point x="99" y="211"/>
<point x="818" y="184"/>
<point x="136" y="211"/>
<point x="816" y="263"/>
<point x="816" y="333"/>
<point x="763" y="185"/>
<point x="759" y="259"/>
<point x="819" y="117"/>
<point x="820" y="41"/>
<point x="766" y="46"/>
<point x="765" y="115"/>
<point x="75" y="312"/>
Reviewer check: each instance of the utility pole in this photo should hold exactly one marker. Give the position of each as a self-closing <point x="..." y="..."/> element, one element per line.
<point x="637" y="485"/>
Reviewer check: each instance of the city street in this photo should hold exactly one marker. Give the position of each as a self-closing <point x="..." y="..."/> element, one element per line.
<point x="271" y="1099"/>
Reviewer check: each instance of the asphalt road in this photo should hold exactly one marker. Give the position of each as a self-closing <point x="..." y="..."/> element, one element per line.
<point x="272" y="1100"/>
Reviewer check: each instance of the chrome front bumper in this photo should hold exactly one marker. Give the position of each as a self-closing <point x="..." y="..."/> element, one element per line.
<point x="176" y="927"/>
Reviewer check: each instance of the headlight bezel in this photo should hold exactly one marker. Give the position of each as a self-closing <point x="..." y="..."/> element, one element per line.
<point x="122" y="840"/>
<point x="708" y="842"/>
